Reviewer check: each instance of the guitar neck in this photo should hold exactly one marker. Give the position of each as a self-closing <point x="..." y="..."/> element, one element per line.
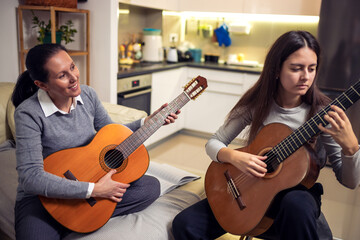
<point x="310" y="128"/>
<point x="130" y="144"/>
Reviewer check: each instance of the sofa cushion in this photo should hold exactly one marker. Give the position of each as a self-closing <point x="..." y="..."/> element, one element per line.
<point x="10" y="110"/>
<point x="6" y="89"/>
<point x="8" y="184"/>
<point x="122" y="114"/>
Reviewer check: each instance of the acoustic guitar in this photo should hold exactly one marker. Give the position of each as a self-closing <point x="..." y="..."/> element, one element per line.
<point x="113" y="147"/>
<point x="240" y="202"/>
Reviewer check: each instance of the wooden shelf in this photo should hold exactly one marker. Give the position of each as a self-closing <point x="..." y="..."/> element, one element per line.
<point x="53" y="13"/>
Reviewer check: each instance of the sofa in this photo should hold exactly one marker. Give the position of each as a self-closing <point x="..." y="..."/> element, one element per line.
<point x="152" y="223"/>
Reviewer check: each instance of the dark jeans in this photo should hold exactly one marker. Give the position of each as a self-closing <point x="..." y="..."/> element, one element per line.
<point x="295" y="211"/>
<point x="33" y="222"/>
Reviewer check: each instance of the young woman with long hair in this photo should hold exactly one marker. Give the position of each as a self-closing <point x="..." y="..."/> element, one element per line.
<point x="285" y="93"/>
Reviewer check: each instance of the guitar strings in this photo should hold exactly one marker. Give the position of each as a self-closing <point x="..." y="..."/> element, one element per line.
<point x="344" y="101"/>
<point x="133" y="145"/>
<point x="117" y="156"/>
<point x="308" y="128"/>
<point x="129" y="145"/>
<point x="124" y="149"/>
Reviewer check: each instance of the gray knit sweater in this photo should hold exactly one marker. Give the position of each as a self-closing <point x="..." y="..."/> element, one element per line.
<point x="346" y="168"/>
<point x="38" y="136"/>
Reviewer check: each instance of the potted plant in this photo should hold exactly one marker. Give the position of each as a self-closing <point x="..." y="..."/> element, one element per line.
<point x="65" y="32"/>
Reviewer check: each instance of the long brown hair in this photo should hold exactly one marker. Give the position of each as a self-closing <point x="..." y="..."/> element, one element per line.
<point x="258" y="99"/>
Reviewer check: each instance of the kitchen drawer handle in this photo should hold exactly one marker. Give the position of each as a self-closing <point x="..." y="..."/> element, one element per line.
<point x="136" y="93"/>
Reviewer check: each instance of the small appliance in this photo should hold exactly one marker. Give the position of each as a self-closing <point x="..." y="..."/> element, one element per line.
<point x="172" y="55"/>
<point x="152" y="45"/>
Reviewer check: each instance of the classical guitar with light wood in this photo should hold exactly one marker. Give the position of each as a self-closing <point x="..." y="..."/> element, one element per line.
<point x="240" y="202"/>
<point x="113" y="147"/>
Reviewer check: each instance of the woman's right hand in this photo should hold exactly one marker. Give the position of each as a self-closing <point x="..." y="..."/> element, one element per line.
<point x="108" y="188"/>
<point x="250" y="164"/>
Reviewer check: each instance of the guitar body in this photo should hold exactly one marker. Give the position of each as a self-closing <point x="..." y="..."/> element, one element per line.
<point x="114" y="147"/>
<point x="88" y="164"/>
<point x="256" y="193"/>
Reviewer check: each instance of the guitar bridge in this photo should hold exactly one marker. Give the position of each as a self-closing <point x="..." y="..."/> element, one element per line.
<point x="234" y="191"/>
<point x="69" y="175"/>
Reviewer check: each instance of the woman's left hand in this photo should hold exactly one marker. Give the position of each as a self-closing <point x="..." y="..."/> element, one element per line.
<point x="341" y="130"/>
<point x="170" y="119"/>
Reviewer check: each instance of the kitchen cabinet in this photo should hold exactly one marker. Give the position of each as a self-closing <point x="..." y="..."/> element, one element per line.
<point x="54" y="20"/>
<point x="166" y="86"/>
<point x="159" y="4"/>
<point x="208" y="112"/>
<point x="294" y="7"/>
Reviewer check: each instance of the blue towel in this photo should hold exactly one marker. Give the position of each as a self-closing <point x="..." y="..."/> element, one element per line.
<point x="222" y="35"/>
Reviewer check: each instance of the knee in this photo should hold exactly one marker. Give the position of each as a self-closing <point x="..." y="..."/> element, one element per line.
<point x="300" y="204"/>
<point x="178" y="220"/>
<point x="179" y="225"/>
<point x="150" y="187"/>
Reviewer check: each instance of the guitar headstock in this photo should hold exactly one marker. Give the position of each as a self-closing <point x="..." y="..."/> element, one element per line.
<point x="195" y="87"/>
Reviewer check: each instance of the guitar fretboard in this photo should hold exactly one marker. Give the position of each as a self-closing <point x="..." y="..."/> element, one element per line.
<point x="310" y="128"/>
<point x="130" y="144"/>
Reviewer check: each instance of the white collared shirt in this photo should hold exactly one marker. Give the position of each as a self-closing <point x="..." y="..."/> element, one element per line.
<point x="49" y="108"/>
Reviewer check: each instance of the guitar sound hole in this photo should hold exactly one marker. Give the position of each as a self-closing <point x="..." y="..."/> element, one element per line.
<point x="271" y="162"/>
<point x="113" y="158"/>
<point x="270" y="167"/>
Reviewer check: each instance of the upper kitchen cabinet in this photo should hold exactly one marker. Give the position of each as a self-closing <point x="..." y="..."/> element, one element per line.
<point x="158" y="4"/>
<point x="294" y="7"/>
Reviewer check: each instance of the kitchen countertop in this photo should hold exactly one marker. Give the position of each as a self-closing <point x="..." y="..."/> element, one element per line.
<point x="148" y="68"/>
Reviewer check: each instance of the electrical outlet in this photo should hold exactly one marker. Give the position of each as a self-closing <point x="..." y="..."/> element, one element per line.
<point x="173" y="37"/>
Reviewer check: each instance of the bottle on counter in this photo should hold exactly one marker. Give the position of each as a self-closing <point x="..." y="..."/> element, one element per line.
<point x="137" y="51"/>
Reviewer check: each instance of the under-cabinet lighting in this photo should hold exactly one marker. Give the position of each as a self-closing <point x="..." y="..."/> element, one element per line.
<point x="124" y="11"/>
<point x="246" y="16"/>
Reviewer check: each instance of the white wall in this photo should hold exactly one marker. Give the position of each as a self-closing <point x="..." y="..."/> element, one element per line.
<point x="9" y="57"/>
<point x="103" y="47"/>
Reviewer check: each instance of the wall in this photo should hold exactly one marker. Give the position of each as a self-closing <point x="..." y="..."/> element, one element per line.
<point x="103" y="47"/>
<point x="9" y="59"/>
<point x="340" y="206"/>
<point x="131" y="24"/>
<point x="254" y="46"/>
